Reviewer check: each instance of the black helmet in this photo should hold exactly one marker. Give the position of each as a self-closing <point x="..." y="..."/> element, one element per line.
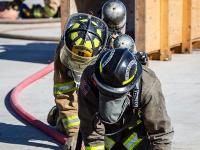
<point x="114" y="14"/>
<point x="117" y="71"/>
<point x="84" y="38"/>
<point x="124" y="41"/>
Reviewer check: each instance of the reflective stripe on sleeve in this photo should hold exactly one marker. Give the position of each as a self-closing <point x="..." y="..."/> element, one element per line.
<point x="62" y="88"/>
<point x="99" y="147"/>
<point x="70" y="122"/>
<point x="109" y="143"/>
<point x="132" y="141"/>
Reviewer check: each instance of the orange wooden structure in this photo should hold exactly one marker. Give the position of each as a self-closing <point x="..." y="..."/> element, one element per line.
<point x="159" y="27"/>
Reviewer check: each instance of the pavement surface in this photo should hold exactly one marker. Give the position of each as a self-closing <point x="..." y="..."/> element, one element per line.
<point x="19" y="59"/>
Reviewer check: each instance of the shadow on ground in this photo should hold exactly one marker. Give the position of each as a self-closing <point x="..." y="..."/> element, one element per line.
<point x="23" y="135"/>
<point x="32" y="52"/>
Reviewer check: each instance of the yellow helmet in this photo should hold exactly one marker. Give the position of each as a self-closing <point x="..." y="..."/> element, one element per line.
<point x="85" y="36"/>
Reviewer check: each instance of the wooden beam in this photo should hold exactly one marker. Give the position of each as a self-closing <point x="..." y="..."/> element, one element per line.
<point x="140" y="33"/>
<point x="65" y="12"/>
<point x="186" y="27"/>
<point x="165" y="53"/>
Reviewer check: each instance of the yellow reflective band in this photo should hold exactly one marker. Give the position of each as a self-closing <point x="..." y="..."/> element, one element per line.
<point x="137" y="123"/>
<point x="70" y="122"/>
<point x="75" y="26"/>
<point x="84" y="20"/>
<point x="78" y="42"/>
<point x="100" y="147"/>
<point x="100" y="68"/>
<point x="109" y="143"/>
<point x="96" y="42"/>
<point x="88" y="44"/>
<point x="63" y="88"/>
<point x="74" y="35"/>
<point x="99" y="32"/>
<point x="130" y="79"/>
<point x="132" y="141"/>
<point x="49" y="11"/>
<point x="94" y="23"/>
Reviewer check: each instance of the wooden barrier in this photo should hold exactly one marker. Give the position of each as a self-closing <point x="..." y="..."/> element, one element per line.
<point x="159" y="27"/>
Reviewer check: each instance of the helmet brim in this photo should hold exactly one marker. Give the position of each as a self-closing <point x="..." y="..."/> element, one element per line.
<point x="118" y="90"/>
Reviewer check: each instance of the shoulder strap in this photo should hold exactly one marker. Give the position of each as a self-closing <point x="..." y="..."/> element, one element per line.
<point x="136" y="95"/>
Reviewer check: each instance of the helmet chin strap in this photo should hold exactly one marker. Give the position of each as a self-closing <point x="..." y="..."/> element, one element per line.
<point x="99" y="120"/>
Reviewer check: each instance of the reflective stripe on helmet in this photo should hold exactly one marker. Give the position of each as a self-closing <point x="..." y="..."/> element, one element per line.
<point x="74" y="35"/>
<point x="70" y="122"/>
<point x="78" y="42"/>
<point x="88" y="44"/>
<point x="109" y="143"/>
<point x="130" y="79"/>
<point x="84" y="20"/>
<point x="96" y="42"/>
<point x="62" y="88"/>
<point x="99" y="32"/>
<point x="132" y="141"/>
<point x="75" y="26"/>
<point x="98" y="147"/>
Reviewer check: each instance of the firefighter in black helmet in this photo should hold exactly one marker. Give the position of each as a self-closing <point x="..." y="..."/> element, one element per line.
<point x="126" y="41"/>
<point x="121" y="105"/>
<point x="84" y="37"/>
<point x="114" y="13"/>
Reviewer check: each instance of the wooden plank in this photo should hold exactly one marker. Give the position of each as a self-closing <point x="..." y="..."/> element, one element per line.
<point x="186" y="30"/>
<point x="175" y="22"/>
<point x="165" y="53"/>
<point x="152" y="23"/>
<point x="195" y="19"/>
<point x="65" y="12"/>
<point x="140" y="33"/>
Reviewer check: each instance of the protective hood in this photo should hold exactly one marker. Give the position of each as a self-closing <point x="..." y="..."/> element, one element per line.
<point x="112" y="108"/>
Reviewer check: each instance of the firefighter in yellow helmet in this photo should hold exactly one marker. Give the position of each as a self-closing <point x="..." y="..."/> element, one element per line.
<point x="84" y="37"/>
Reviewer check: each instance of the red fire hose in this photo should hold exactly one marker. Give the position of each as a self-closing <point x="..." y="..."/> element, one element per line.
<point x="27" y="116"/>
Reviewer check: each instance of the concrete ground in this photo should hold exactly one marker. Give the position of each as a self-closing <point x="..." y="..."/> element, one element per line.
<point x="181" y="85"/>
<point x="18" y="60"/>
